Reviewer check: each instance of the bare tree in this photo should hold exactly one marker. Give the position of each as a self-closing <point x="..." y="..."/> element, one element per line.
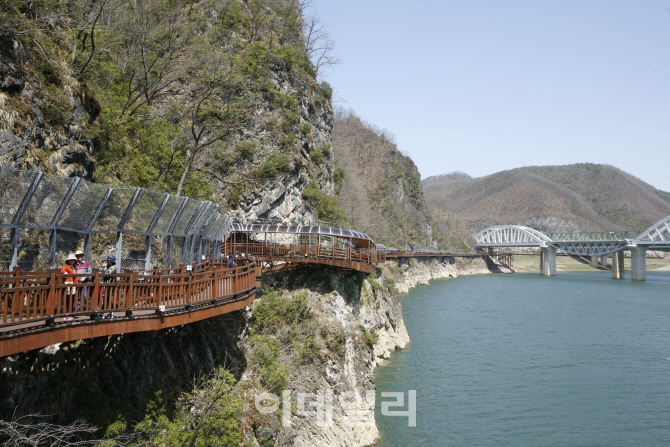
<point x="29" y="431"/>
<point x="319" y="47"/>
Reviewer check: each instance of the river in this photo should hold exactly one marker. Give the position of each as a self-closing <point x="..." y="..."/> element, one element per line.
<point x="524" y="360"/>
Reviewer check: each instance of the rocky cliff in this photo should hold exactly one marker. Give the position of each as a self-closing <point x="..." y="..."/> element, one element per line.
<point x="214" y="100"/>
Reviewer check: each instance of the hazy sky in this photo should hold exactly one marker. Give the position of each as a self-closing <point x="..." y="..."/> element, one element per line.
<point x="482" y="86"/>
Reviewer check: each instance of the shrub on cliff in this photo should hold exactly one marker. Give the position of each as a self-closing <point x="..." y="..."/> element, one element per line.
<point x="208" y="415"/>
<point x="264" y="356"/>
<point x="274" y="309"/>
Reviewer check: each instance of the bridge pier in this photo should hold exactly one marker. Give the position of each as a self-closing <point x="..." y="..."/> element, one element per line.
<point x="603" y="260"/>
<point x="617" y="265"/>
<point x="594" y="261"/>
<point x="548" y="261"/>
<point x="639" y="267"/>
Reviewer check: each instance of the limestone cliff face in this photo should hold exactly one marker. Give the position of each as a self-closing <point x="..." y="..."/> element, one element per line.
<point x="367" y="310"/>
<point x="281" y="198"/>
<point x="368" y="315"/>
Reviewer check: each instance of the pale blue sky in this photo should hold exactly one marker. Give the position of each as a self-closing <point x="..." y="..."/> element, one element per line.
<point x="481" y="86"/>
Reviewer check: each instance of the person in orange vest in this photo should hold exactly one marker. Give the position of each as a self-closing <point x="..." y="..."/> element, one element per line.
<point x="68" y="269"/>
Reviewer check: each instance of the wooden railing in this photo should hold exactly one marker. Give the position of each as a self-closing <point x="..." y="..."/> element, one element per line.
<point x="32" y="296"/>
<point x="298" y="252"/>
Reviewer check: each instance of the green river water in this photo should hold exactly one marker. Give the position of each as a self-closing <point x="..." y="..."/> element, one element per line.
<point x="524" y="360"/>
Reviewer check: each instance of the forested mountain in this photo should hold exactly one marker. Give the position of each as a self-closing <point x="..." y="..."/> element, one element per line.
<point x="210" y="99"/>
<point x="584" y="197"/>
<point x="380" y="190"/>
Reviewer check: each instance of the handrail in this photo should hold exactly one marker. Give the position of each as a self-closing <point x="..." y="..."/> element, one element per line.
<point x="34" y="296"/>
<point x="301" y="252"/>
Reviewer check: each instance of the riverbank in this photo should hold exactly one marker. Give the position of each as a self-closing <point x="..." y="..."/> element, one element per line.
<point x="531" y="263"/>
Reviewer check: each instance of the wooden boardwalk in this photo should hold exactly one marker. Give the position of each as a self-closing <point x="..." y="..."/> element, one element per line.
<point x="40" y="309"/>
<point x="361" y="260"/>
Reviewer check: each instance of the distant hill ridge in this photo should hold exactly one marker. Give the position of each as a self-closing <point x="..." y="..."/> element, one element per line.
<point x="578" y="197"/>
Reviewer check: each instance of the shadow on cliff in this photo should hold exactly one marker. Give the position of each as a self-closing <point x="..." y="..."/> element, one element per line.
<point x="105" y="378"/>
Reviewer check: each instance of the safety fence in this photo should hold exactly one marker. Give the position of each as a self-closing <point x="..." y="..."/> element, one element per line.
<point x="44" y="217"/>
<point x="56" y="298"/>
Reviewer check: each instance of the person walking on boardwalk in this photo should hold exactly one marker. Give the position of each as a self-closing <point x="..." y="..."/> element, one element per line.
<point x="231" y="262"/>
<point x="82" y="266"/>
<point x="68" y="269"/>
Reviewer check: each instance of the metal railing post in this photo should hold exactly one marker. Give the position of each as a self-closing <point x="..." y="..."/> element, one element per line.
<point x="53" y="235"/>
<point x="14" y="235"/>
<point x="119" y="233"/>
<point x="150" y="229"/>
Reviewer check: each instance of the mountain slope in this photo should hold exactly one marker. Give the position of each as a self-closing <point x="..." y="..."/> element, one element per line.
<point x="381" y="191"/>
<point x="579" y="197"/>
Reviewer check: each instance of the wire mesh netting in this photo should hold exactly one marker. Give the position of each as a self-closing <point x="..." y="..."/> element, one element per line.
<point x="47" y="201"/>
<point x="67" y="242"/>
<point x="33" y="249"/>
<point x="53" y="216"/>
<point x="102" y="245"/>
<point x="83" y="205"/>
<point x="14" y="185"/>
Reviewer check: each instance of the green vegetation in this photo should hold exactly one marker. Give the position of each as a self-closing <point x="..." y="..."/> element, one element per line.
<point x="277" y="163"/>
<point x="317" y="156"/>
<point x="327" y="207"/>
<point x="246" y="149"/>
<point x="273" y="310"/>
<point x="264" y="356"/>
<point x="370" y="338"/>
<point x="123" y="63"/>
<point x="207" y="416"/>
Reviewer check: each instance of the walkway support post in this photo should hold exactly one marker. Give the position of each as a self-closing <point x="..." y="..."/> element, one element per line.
<point x="639" y="267"/>
<point x="548" y="261"/>
<point x="617" y="265"/>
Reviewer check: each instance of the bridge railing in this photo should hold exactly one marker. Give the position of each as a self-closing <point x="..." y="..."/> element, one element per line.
<point x="303" y="251"/>
<point x="33" y="296"/>
<point x="594" y="236"/>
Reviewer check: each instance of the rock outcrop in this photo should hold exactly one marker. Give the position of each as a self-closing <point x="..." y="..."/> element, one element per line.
<point x="410" y="272"/>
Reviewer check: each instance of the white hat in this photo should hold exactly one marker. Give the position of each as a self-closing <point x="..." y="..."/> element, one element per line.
<point x="71" y="257"/>
<point x="80" y="252"/>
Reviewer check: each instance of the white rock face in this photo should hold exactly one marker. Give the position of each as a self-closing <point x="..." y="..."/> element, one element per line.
<point x="416" y="271"/>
